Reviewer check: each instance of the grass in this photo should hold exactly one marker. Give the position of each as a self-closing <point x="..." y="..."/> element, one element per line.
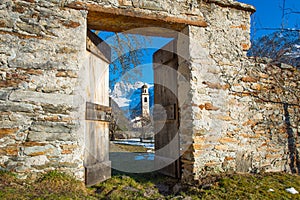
<point x="257" y="186"/>
<point x="56" y="185"/>
<point x="53" y="185"/>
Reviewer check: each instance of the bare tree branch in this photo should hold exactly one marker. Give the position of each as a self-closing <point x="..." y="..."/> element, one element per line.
<point x="280" y="29"/>
<point x="283" y="14"/>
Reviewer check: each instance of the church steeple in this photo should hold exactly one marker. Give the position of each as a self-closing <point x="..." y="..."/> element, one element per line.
<point x="145" y="101"/>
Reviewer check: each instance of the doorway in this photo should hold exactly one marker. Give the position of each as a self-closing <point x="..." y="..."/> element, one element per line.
<point x="166" y="114"/>
<point x="140" y="106"/>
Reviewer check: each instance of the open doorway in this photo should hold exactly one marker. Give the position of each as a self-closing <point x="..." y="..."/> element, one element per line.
<point x="168" y="85"/>
<point x="143" y="101"/>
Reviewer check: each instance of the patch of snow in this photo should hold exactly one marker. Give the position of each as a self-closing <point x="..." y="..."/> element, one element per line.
<point x="122" y="101"/>
<point x="270" y="190"/>
<point x="136" y="119"/>
<point x="291" y="190"/>
<point x="135" y="142"/>
<point x="145" y="156"/>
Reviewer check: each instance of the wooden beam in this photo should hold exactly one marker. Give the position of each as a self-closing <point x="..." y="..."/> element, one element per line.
<point x="124" y="19"/>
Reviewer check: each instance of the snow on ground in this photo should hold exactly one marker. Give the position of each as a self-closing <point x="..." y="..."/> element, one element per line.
<point x="135" y="142"/>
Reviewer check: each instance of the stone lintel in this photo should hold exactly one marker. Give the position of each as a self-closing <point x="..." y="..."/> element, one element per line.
<point x="233" y="4"/>
<point x="124" y="19"/>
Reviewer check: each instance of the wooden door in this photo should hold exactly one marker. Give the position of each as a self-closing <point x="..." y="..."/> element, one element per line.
<point x="166" y="117"/>
<point x="96" y="155"/>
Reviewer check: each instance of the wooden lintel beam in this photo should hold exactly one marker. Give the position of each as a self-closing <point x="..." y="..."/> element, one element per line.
<point x="102" y="18"/>
<point x="150" y="15"/>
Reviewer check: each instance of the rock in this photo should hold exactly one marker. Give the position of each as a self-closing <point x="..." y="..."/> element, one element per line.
<point x="163" y="188"/>
<point x="285" y="66"/>
<point x="52" y="127"/>
<point x="292" y="190"/>
<point x="178" y="197"/>
<point x="47" y="136"/>
<point x="37" y="160"/>
<point x="57" y="109"/>
<point x="151" y="5"/>
<point x="40" y="150"/>
<point x="30" y="28"/>
<point x="39" y="97"/>
<point x="149" y="192"/>
<point x="176" y="188"/>
<point x="131" y="189"/>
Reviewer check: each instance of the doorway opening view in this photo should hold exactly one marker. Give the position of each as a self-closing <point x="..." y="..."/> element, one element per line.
<point x="134" y="131"/>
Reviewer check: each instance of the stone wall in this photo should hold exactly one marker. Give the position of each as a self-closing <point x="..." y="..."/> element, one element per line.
<point x="172" y="7"/>
<point x="42" y="46"/>
<point x="241" y="116"/>
<point x="244" y="111"/>
<point x="273" y="115"/>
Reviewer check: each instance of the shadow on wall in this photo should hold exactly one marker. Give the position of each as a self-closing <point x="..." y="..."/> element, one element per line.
<point x="293" y="152"/>
<point x="274" y="101"/>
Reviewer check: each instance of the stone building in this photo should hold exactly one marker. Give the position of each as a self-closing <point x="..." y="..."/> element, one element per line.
<point x="235" y="114"/>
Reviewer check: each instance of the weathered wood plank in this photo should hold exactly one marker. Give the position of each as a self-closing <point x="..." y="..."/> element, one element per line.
<point x="166" y="119"/>
<point x="96" y="162"/>
<point x="97" y="173"/>
<point x="98" y="113"/>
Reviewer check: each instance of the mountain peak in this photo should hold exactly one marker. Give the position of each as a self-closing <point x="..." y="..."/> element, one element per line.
<point x="128" y="97"/>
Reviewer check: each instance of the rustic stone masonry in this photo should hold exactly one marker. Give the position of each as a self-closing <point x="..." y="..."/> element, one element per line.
<point x="245" y="112"/>
<point x="41" y="48"/>
<point x="248" y="120"/>
<point x="242" y="115"/>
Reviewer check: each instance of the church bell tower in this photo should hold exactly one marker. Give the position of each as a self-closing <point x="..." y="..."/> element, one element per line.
<point x="145" y="101"/>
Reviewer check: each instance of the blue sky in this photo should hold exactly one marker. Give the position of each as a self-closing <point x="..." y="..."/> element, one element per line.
<point x="156" y="43"/>
<point x="269" y="13"/>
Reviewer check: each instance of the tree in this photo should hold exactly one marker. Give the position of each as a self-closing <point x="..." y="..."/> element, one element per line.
<point x="128" y="51"/>
<point x="281" y="46"/>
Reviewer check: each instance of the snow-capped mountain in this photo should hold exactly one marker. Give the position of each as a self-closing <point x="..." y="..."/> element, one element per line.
<point x="128" y="97"/>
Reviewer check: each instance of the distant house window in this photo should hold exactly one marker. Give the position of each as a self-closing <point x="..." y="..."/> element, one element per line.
<point x="145" y="99"/>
